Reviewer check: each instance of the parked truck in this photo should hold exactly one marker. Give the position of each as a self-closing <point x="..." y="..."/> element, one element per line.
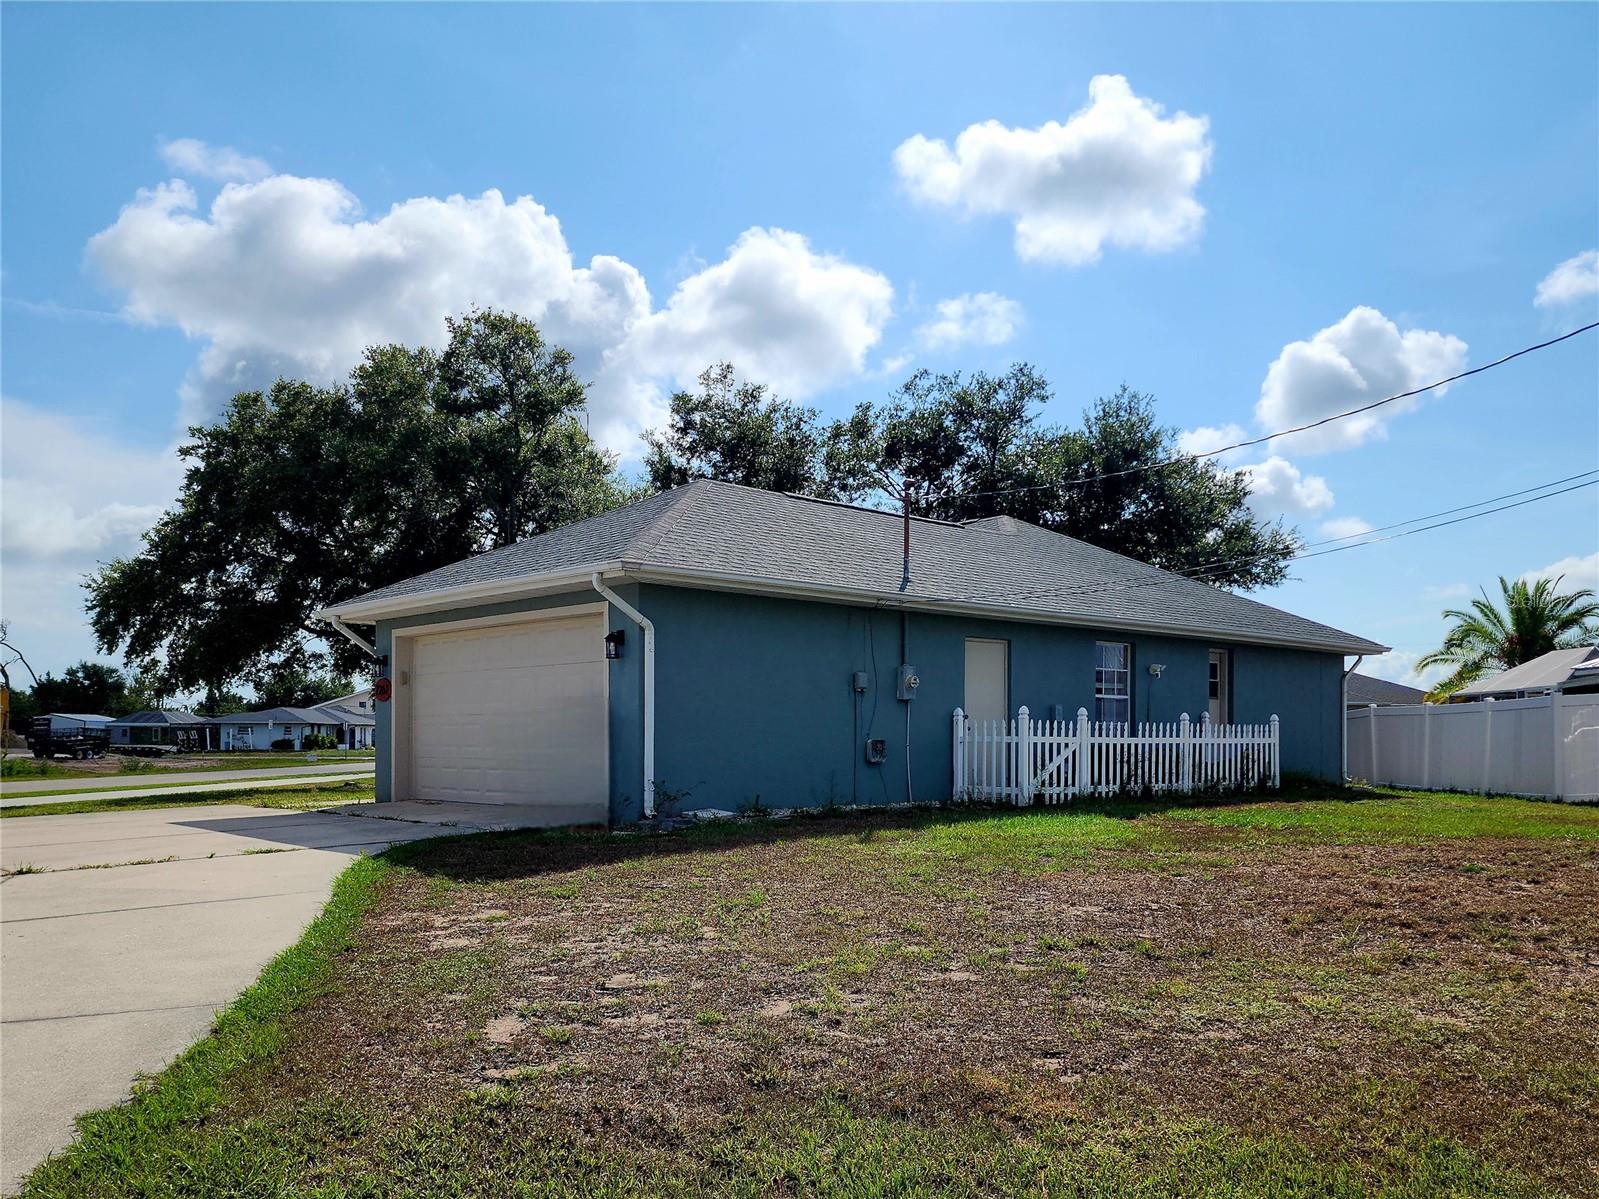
<point x="77" y="735"/>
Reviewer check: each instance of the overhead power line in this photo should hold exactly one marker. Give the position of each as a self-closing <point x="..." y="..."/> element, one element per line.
<point x="1198" y="574"/>
<point x="1265" y="437"/>
<point x="1450" y="511"/>
<point x="1217" y="564"/>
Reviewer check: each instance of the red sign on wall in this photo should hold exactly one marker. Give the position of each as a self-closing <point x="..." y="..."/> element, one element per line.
<point x="382" y="691"/>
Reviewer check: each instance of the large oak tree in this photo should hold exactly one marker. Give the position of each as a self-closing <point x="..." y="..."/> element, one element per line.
<point x="961" y="447"/>
<point x="302" y="495"/>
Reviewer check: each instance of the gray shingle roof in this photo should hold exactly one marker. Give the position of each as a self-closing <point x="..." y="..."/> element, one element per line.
<point x="708" y="528"/>
<point x="1363" y="689"/>
<point x="1545" y="671"/>
<point x="338" y="714"/>
<point x="152" y="716"/>
<point x="276" y="716"/>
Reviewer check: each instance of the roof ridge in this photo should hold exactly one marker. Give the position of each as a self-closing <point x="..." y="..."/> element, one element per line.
<point x="853" y="507"/>
<point x="652" y="534"/>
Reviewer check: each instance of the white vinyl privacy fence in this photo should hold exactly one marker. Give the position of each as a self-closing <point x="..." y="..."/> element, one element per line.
<point x="1545" y="746"/>
<point x="1025" y="761"/>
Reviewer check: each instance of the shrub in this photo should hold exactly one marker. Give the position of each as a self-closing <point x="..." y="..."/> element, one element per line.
<point x="319" y="741"/>
<point x="283" y="743"/>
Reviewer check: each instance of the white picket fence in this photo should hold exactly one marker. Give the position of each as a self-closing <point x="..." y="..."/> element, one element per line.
<point x="1024" y="761"/>
<point x="1543" y="746"/>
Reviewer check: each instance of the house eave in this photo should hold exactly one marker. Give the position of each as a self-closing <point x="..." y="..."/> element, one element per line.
<point x="578" y="578"/>
<point x="783" y="588"/>
<point x="573" y="578"/>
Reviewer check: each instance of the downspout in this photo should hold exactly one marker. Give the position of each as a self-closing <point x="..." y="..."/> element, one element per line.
<point x="1343" y="713"/>
<point x="644" y="623"/>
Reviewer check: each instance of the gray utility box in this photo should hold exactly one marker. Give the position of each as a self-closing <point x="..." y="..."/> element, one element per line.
<point x="907" y="683"/>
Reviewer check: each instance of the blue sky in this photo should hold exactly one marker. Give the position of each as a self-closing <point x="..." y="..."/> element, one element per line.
<point x="786" y="185"/>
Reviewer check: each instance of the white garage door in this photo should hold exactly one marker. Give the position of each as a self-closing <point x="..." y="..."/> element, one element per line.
<point x="511" y="714"/>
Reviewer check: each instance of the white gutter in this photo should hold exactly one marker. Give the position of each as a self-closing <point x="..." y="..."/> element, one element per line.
<point x="465" y="595"/>
<point x="645" y="624"/>
<point x="371" y="650"/>
<point x="554" y="581"/>
<point x="829" y="592"/>
<point x="1343" y="713"/>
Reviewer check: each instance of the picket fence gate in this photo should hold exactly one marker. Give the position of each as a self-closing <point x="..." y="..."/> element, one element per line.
<point x="1025" y="761"/>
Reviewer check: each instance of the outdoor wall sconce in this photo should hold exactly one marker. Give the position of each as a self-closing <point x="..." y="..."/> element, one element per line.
<point x="613" y="643"/>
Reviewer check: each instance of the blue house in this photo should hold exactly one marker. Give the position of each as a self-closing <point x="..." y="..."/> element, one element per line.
<point x="717" y="645"/>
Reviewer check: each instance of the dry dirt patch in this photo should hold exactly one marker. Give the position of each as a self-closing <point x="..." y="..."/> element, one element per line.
<point x="1348" y="996"/>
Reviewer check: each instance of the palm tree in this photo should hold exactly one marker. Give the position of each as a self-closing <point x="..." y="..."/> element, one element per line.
<point x="1535" y="620"/>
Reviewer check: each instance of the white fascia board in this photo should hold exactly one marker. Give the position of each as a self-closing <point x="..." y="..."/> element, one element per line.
<point x="574" y="578"/>
<point x="749" y="584"/>
<point x="578" y="579"/>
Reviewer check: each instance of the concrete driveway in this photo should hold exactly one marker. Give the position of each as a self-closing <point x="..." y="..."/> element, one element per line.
<point x="106" y="974"/>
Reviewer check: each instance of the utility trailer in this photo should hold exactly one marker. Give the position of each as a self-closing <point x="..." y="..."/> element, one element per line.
<point x="76" y="736"/>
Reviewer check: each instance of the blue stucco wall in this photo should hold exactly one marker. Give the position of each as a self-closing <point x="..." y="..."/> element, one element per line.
<point x="753" y="695"/>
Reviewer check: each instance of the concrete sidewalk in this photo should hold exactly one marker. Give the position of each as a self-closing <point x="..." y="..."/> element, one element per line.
<point x="106" y="974"/>
<point x="189" y="777"/>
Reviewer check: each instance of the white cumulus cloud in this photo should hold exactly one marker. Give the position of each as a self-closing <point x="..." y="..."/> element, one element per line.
<point x="1399" y="666"/>
<point x="71" y="495"/>
<point x="1362" y="358"/>
<point x="1207" y="439"/>
<point x="981" y="318"/>
<point x="1117" y="171"/>
<point x="1573" y="279"/>
<point x="1578" y="571"/>
<point x="288" y="275"/>
<point x="1340" y="527"/>
<point x="191" y="156"/>
<point x="783" y="313"/>
<point x="1279" y="488"/>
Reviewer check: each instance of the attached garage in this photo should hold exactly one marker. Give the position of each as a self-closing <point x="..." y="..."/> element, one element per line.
<point x="505" y="713"/>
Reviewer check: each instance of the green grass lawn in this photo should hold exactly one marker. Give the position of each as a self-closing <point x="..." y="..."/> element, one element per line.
<point x="1334" y="996"/>
<point x="122" y="784"/>
<point x="310" y="796"/>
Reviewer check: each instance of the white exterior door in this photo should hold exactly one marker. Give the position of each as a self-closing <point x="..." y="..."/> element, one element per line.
<point x="987" y="679"/>
<point x="511" y="714"/>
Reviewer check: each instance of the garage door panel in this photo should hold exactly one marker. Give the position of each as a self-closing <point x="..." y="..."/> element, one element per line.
<point x="512" y="714"/>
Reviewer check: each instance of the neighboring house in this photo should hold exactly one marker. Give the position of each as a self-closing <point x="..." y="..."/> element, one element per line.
<point x="353" y="716"/>
<point x="359" y="702"/>
<point x="1362" y="691"/>
<point x="720" y="646"/>
<point x="258" y="730"/>
<point x="181" y="730"/>
<point x="1566" y="670"/>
